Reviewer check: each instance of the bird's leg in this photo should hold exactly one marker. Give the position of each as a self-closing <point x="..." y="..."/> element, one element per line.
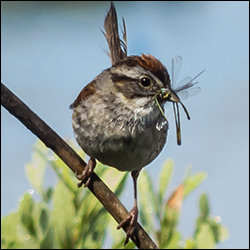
<point x="86" y="174"/>
<point x="133" y="214"/>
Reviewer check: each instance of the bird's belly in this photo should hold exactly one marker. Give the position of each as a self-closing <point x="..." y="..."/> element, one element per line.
<point x="125" y="140"/>
<point x="126" y="153"/>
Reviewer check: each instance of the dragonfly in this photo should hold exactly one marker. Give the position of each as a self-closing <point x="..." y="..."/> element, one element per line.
<point x="183" y="90"/>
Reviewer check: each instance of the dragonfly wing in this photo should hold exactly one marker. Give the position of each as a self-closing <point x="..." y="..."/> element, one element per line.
<point x="187" y="86"/>
<point x="182" y="83"/>
<point x="176" y="66"/>
<point x="184" y="94"/>
<point x="184" y="88"/>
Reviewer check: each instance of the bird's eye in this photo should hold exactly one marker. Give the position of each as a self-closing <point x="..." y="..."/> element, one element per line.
<point x="145" y="81"/>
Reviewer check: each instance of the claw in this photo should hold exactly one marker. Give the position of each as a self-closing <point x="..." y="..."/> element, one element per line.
<point x="131" y="220"/>
<point x="86" y="174"/>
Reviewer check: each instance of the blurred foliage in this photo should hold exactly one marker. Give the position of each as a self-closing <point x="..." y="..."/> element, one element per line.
<point x="70" y="217"/>
<point x="160" y="217"/>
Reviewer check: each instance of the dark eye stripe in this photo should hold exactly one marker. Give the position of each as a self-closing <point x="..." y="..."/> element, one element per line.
<point x="122" y="78"/>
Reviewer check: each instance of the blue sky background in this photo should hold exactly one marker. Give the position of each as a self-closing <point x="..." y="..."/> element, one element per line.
<point x="51" y="50"/>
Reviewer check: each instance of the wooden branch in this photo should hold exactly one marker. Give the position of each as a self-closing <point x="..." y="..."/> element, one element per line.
<point x="53" y="141"/>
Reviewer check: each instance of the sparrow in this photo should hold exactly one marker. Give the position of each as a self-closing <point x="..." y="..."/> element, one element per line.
<point x="118" y="118"/>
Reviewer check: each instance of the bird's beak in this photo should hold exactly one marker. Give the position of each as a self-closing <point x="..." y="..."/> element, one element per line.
<point x="173" y="97"/>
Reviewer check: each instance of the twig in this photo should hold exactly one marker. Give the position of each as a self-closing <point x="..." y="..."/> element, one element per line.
<point x="53" y="141"/>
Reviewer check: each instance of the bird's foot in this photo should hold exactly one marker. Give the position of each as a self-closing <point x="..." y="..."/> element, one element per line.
<point x="131" y="220"/>
<point x="86" y="174"/>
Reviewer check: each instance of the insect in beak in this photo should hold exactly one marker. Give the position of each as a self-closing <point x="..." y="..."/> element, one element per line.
<point x="172" y="97"/>
<point x="184" y="89"/>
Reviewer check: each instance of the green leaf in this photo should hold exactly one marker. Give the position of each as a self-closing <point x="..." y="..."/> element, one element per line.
<point x="223" y="233"/>
<point x="168" y="226"/>
<point x="26" y="214"/>
<point x="165" y="177"/>
<point x="204" y="206"/>
<point x="63" y="215"/>
<point x="49" y="242"/>
<point x="9" y="231"/>
<point x="44" y="220"/>
<point x="175" y="242"/>
<point x="190" y="243"/>
<point x="147" y="200"/>
<point x="49" y="193"/>
<point x="193" y="182"/>
<point x="205" y="237"/>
